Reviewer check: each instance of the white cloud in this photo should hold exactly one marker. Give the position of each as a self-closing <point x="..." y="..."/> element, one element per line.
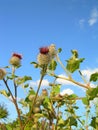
<point x="44" y="83"/>
<point x="64" y="82"/>
<point x="81" y="22"/>
<point x="88" y="72"/>
<point x="93" y="17"/>
<point x="66" y="91"/>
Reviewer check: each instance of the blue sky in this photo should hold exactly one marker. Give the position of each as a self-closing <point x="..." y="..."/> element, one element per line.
<point x="27" y="25"/>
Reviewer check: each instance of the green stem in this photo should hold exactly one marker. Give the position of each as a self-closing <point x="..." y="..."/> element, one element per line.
<point x="34" y="101"/>
<point x="67" y="72"/>
<point x="42" y="76"/>
<point x="82" y="77"/>
<point x="15" y="86"/>
<point x="71" y="80"/>
<point x="87" y="116"/>
<point x="57" y="118"/>
<point x="96" y="116"/>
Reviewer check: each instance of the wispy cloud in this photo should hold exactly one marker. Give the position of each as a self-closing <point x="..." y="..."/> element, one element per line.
<point x="91" y="20"/>
<point x="45" y="83"/>
<point x="66" y="91"/>
<point x="93" y="17"/>
<point x="64" y="82"/>
<point x="81" y="22"/>
<point x="88" y="72"/>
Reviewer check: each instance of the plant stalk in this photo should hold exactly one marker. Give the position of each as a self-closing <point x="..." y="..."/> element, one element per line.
<point x="15" y="103"/>
<point x="71" y="80"/>
<point x="67" y="72"/>
<point x="34" y="101"/>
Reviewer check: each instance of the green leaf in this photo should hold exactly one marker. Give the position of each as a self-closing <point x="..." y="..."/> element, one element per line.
<point x="46" y="103"/>
<point x="52" y="65"/>
<point x="21" y="80"/>
<point x="59" y="50"/>
<point x="12" y="77"/>
<point x="32" y="92"/>
<point x="35" y="64"/>
<point x="75" y="107"/>
<point x="92" y="93"/>
<point x="5" y="93"/>
<point x="94" y="77"/>
<point x="7" y="67"/>
<point x="75" y="53"/>
<point x="73" y="64"/>
<point x="26" y="78"/>
<point x="38" y="115"/>
<point x="56" y="89"/>
<point x="61" y="122"/>
<point x="73" y="121"/>
<point x="85" y="101"/>
<point x="93" y="122"/>
<point x="26" y="85"/>
<point x="23" y="103"/>
<point x="3" y="112"/>
<point x="72" y="96"/>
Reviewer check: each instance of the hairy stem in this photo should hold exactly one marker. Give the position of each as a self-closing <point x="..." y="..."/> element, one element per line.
<point x="82" y="77"/>
<point x="15" y="103"/>
<point x="15" y="86"/>
<point x="58" y="59"/>
<point x="34" y="101"/>
<point x="57" y="118"/>
<point x="71" y="80"/>
<point x="87" y="118"/>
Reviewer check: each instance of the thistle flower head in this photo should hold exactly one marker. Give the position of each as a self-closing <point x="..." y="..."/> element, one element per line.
<point x="17" y="55"/>
<point x="44" y="50"/>
<point x="43" y="59"/>
<point x="15" y="60"/>
<point x="46" y="54"/>
<point x="2" y="73"/>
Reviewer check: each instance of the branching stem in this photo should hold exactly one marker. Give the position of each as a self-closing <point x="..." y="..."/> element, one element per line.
<point x="15" y="103"/>
<point x="71" y="80"/>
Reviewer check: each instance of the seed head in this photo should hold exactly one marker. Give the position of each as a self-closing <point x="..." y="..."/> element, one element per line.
<point x="15" y="60"/>
<point x="43" y="59"/>
<point x="2" y="73"/>
<point x="52" y="50"/>
<point x="44" y="92"/>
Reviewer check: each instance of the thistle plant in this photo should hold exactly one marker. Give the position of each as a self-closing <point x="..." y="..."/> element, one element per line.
<point x="3" y="112"/>
<point x="50" y="109"/>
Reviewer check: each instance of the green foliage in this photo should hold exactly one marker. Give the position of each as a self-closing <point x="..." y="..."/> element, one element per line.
<point x="92" y="93"/>
<point x="52" y="65"/>
<point x="22" y="80"/>
<point x="94" y="122"/>
<point x="3" y="112"/>
<point x="5" y="93"/>
<point x="48" y="109"/>
<point x="85" y="101"/>
<point x="94" y="77"/>
<point x="59" y="50"/>
<point x="74" y="63"/>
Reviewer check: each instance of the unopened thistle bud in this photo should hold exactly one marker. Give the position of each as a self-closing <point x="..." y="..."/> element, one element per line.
<point x="16" y="59"/>
<point x="2" y="73"/>
<point x="44" y="92"/>
<point x="52" y="50"/>
<point x="31" y="97"/>
<point x="43" y="57"/>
